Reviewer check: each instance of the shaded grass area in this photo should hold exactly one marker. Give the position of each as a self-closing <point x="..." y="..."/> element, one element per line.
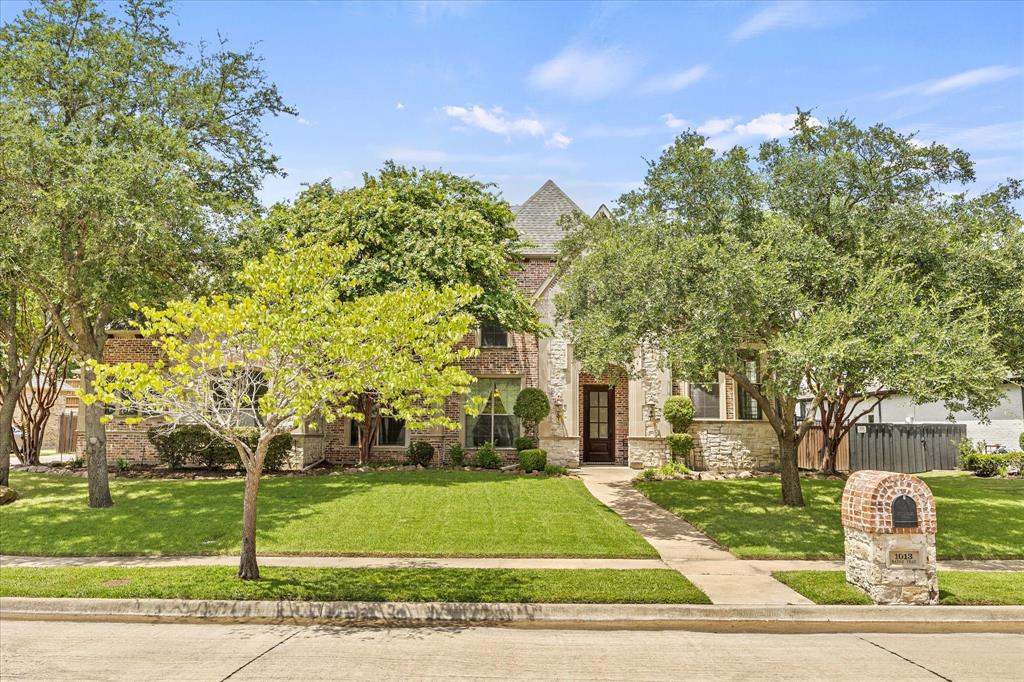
<point x="967" y="588"/>
<point x="979" y="518"/>
<point x="397" y="513"/>
<point x="585" y="586"/>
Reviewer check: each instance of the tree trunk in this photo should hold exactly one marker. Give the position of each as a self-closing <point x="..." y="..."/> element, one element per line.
<point x="367" y="428"/>
<point x="828" y="455"/>
<point x="792" y="495"/>
<point x="6" y="437"/>
<point x="247" y="566"/>
<point x="95" y="447"/>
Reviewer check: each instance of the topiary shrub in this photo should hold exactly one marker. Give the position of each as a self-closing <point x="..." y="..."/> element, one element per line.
<point x="420" y="453"/>
<point x="525" y="443"/>
<point x="678" y="410"/>
<point x="487" y="456"/>
<point x="680" y="445"/>
<point x="456" y="455"/>
<point x="533" y="460"/>
<point x="531" y="406"/>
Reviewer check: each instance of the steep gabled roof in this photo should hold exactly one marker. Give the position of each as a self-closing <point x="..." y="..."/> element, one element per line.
<point x="537" y="218"/>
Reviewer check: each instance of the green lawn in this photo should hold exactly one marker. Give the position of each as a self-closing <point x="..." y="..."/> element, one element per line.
<point x="358" y="584"/>
<point x="395" y="513"/>
<point x="955" y="587"/>
<point x="979" y="518"/>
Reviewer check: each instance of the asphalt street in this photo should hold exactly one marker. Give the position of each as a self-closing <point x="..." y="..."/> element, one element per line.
<point x="53" y="650"/>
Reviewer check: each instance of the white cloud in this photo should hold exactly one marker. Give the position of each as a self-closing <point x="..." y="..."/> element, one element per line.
<point x="729" y="133"/>
<point x="495" y="121"/>
<point x="672" y="122"/>
<point x="559" y="140"/>
<point x="970" y="79"/>
<point x="587" y="74"/>
<point x="797" y="14"/>
<point x="671" y="82"/>
<point x="399" y="106"/>
<point x="302" y="122"/>
<point x="715" y="126"/>
<point x="959" y="81"/>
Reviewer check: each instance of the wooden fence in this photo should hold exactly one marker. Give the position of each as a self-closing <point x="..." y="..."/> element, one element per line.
<point x="66" y="433"/>
<point x="907" y="448"/>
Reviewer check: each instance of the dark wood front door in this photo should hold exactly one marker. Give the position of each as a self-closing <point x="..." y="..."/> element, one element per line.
<point x="598" y="424"/>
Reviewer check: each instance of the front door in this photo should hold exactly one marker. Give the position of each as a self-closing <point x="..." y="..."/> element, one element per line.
<point x="598" y="424"/>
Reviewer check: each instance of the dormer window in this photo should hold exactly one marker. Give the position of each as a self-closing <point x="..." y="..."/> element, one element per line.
<point x="493" y="336"/>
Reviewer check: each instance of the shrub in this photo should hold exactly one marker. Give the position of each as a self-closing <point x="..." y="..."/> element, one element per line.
<point x="531" y="406"/>
<point x="277" y="451"/>
<point x="487" y="456"/>
<point x="1021" y="440"/>
<point x="678" y="411"/>
<point x="680" y="445"/>
<point x="456" y="455"/>
<point x="649" y="474"/>
<point x="555" y="470"/>
<point x="965" y="448"/>
<point x="994" y="464"/>
<point x="420" y="453"/>
<point x="181" y="445"/>
<point x="525" y="443"/>
<point x="533" y="460"/>
<point x="124" y="464"/>
<point x="670" y="469"/>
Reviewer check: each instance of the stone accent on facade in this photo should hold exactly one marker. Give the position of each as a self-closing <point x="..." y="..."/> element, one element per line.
<point x="894" y="565"/>
<point x="652" y="389"/>
<point x="562" y="450"/>
<point x="730" y="445"/>
<point x="647" y="452"/>
<point x="559" y="388"/>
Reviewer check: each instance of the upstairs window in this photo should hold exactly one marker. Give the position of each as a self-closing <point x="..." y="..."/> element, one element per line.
<point x="748" y="407"/>
<point x="706" y="399"/>
<point x="493" y="336"/>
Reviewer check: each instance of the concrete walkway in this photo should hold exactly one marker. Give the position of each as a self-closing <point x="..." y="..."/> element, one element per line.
<point x="708" y="565"/>
<point x="331" y="562"/>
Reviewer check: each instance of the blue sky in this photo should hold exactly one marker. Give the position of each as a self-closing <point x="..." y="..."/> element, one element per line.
<point x="583" y="93"/>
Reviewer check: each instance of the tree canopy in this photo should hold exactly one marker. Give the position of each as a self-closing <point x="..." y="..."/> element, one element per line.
<point x="292" y="347"/>
<point x="127" y="156"/>
<point x="835" y="261"/>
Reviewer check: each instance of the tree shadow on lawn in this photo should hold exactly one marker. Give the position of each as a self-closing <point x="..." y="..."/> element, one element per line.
<point x="374" y="513"/>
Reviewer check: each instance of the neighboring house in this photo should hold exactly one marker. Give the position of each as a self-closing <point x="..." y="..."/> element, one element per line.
<point x="593" y="419"/>
<point x="65" y="401"/>
<point x="1002" y="429"/>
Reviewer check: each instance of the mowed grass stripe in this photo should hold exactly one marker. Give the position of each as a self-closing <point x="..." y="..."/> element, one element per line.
<point x="584" y="586"/>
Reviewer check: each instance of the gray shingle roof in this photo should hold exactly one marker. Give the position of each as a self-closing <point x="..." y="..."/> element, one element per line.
<point x="537" y="218"/>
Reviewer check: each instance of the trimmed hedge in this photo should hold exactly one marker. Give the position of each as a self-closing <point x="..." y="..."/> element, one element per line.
<point x="995" y="464"/>
<point x="195" y="445"/>
<point x="533" y="460"/>
<point x="420" y="453"/>
<point x="525" y="443"/>
<point x="678" y="410"/>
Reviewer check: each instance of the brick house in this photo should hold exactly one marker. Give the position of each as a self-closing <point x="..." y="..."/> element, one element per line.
<point x="593" y="419"/>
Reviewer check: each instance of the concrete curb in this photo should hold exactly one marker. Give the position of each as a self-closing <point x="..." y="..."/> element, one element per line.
<point x="733" y="618"/>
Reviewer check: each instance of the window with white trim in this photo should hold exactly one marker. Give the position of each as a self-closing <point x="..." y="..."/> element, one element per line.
<point x="493" y="336"/>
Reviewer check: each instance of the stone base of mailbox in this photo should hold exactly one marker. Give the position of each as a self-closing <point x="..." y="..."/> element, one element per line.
<point x="893" y="569"/>
<point x="889" y="523"/>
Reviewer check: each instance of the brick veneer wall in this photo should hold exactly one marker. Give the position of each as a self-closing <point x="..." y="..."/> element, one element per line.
<point x="868" y="497"/>
<point x="621" y="405"/>
<point x="533" y="273"/>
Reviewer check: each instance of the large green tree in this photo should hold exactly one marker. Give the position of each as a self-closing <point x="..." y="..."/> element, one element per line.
<point x="415" y="228"/>
<point x="834" y="263"/>
<point x="292" y="346"/>
<point x="126" y="157"/>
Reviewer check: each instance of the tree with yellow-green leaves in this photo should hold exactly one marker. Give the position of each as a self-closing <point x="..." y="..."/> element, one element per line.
<point x="292" y="346"/>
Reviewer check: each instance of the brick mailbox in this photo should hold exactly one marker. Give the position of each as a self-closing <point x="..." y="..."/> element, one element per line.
<point x="889" y="524"/>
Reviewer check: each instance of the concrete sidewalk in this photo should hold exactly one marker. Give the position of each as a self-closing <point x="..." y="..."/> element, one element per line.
<point x="722" y="577"/>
